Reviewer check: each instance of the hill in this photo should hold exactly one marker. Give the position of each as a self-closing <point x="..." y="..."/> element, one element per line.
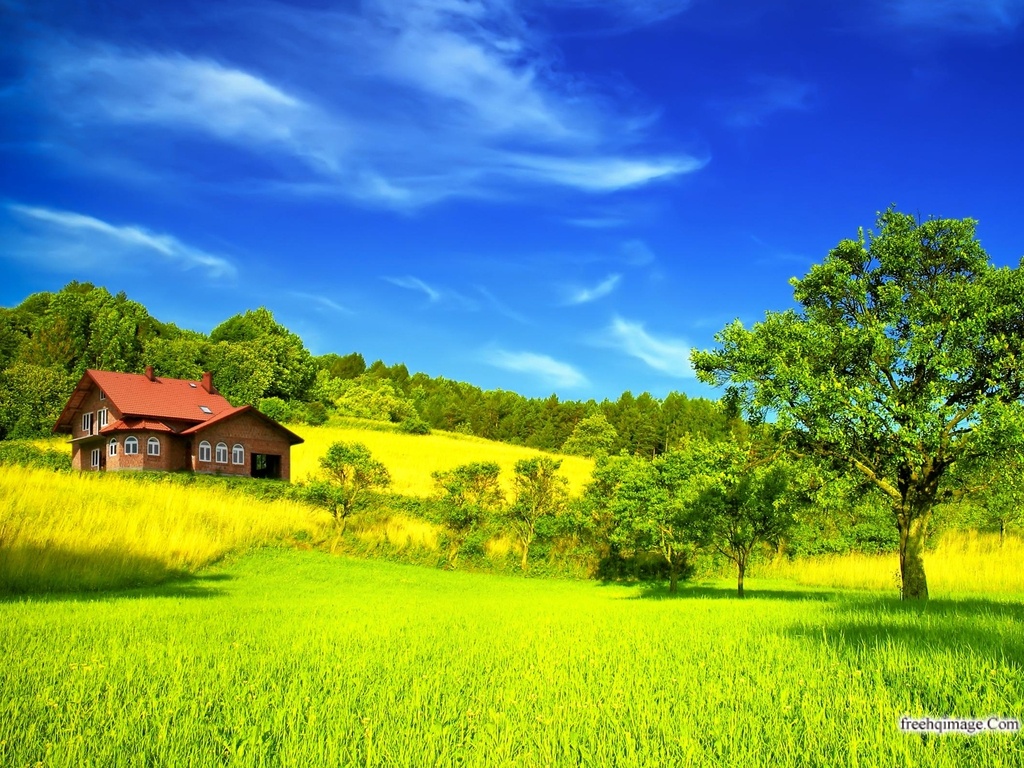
<point x="411" y="459"/>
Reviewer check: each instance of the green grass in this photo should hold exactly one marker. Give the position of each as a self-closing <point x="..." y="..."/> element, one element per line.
<point x="302" y="659"/>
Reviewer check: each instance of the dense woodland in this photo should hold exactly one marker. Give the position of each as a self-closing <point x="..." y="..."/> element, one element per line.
<point x="50" y="339"/>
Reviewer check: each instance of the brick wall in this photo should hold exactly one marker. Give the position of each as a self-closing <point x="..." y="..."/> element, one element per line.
<point x="93" y="404"/>
<point x="253" y="434"/>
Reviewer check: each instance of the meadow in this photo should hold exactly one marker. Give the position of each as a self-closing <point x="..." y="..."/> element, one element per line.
<point x="299" y="659"/>
<point x="244" y="642"/>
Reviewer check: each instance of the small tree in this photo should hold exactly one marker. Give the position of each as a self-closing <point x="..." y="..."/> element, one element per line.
<point x="470" y="494"/>
<point x="650" y="502"/>
<point x="540" y="492"/>
<point x="351" y="471"/>
<point x="594" y="435"/>
<point x="742" y="499"/>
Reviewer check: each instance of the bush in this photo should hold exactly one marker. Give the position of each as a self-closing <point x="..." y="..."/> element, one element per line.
<point x="26" y="455"/>
<point x="414" y="425"/>
<point x="275" y="408"/>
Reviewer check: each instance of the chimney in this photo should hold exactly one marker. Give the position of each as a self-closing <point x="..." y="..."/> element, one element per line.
<point x="149" y="373"/>
<point x="208" y="383"/>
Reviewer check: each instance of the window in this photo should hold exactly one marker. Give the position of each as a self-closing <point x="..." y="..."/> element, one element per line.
<point x="87" y="423"/>
<point x="237" y="454"/>
<point x="103" y="395"/>
<point x="222" y="453"/>
<point x="205" y="409"/>
<point x="95" y="458"/>
<point x="112" y="447"/>
<point x="153" y="446"/>
<point x="101" y="417"/>
<point x="131" y="446"/>
<point x="204" y="451"/>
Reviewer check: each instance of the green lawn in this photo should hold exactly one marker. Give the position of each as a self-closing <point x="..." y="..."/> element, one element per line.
<point x="301" y="659"/>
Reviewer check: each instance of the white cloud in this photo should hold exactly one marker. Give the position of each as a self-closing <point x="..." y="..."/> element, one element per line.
<point x="670" y="356"/>
<point x="958" y="16"/>
<point x="326" y="109"/>
<point x="599" y="291"/>
<point x="193" y="94"/>
<point x="64" y="240"/>
<point x="415" y="284"/>
<point x="545" y="368"/>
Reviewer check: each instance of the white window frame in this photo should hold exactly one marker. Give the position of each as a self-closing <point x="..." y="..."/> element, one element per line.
<point x="103" y="395"/>
<point x="112" y="447"/>
<point x="153" y="441"/>
<point x="222" y="451"/>
<point x="97" y="453"/>
<point x="131" y="446"/>
<point x="204" y="451"/>
<point x="101" y="418"/>
<point x="238" y="454"/>
<point x="87" y="423"/>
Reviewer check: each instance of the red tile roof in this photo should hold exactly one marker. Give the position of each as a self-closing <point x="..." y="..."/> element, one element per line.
<point x="292" y="438"/>
<point x="134" y="394"/>
<point x="133" y="424"/>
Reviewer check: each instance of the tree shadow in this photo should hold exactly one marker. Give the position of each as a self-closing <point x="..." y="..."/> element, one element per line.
<point x="51" y="574"/>
<point x="991" y="628"/>
<point x="708" y="592"/>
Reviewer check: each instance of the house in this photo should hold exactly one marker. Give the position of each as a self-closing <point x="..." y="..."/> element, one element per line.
<point x="130" y="421"/>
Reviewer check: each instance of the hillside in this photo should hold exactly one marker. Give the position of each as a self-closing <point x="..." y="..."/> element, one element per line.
<point x="411" y="459"/>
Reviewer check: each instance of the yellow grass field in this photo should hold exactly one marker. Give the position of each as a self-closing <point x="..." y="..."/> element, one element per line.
<point x="962" y="562"/>
<point x="411" y="459"/>
<point x="91" y="531"/>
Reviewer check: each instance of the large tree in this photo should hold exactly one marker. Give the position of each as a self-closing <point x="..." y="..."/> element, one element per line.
<point x="903" y="359"/>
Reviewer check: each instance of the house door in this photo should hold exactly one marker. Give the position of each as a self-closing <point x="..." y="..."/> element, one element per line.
<point x="266" y="465"/>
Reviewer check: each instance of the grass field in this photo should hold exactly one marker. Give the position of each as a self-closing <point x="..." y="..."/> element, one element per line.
<point x="62" y="531"/>
<point x="300" y="659"/>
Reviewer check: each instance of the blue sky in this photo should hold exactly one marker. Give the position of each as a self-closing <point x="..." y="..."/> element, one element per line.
<point x="559" y="196"/>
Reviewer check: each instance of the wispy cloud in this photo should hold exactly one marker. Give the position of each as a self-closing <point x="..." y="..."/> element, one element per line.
<point x="497" y="112"/>
<point x="667" y="355"/>
<point x="957" y="17"/>
<point x="636" y="253"/>
<point x="543" y="367"/>
<point x="599" y="291"/>
<point x="68" y="240"/>
<point x="597" y="222"/>
<point x="501" y="308"/>
<point x="767" y="96"/>
<point x="322" y="302"/>
<point x="415" y="284"/>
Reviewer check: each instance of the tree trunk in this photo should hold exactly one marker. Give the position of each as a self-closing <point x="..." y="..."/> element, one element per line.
<point x="525" y="563"/>
<point x="741" y="570"/>
<point x="912" y="533"/>
<point x="673" y="576"/>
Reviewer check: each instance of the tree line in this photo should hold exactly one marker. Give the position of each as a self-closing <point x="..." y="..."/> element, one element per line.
<point x="50" y="339"/>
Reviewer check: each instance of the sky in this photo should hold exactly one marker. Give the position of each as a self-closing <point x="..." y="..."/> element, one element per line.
<point x="545" y="197"/>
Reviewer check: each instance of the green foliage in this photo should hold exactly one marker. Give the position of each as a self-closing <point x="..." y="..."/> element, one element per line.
<point x="743" y="497"/>
<point x="540" y="493"/>
<point x="592" y="436"/>
<point x="351" y="471"/>
<point x="368" y="398"/>
<point x="27" y="455"/>
<point x="647" y="505"/>
<point x="342" y="367"/>
<point x="903" y="360"/>
<point x="414" y="425"/>
<point x="275" y="408"/>
<point x="469" y="497"/>
<point x="291" y="371"/>
<point x="31" y="399"/>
